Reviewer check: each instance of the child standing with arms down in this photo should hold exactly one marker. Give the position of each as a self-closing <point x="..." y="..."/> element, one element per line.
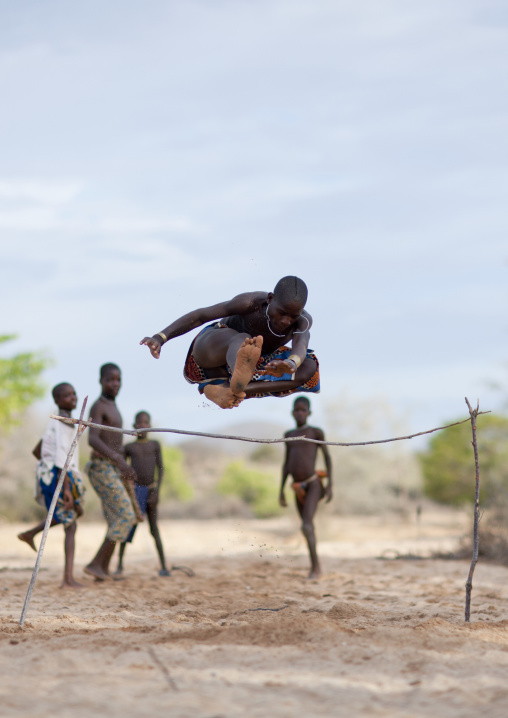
<point x="52" y="453"/>
<point x="145" y="456"/>
<point x="109" y="473"/>
<point x="308" y="485"/>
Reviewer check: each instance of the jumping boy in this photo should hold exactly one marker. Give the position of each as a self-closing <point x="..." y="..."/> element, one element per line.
<point x="244" y="353"/>
<point x="109" y="473"/>
<point x="52" y="453"/>
<point x="145" y="456"/>
<point x="308" y="485"/>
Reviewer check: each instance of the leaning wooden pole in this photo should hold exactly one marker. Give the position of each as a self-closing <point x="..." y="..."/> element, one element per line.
<point x="49" y="518"/>
<point x="476" y="541"/>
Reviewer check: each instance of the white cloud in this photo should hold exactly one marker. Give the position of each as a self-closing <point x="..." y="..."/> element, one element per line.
<point x="39" y="191"/>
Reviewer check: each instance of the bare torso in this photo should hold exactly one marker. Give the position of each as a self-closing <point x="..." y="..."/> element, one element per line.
<point x="104" y="411"/>
<point x="301" y="455"/>
<point x="145" y="456"/>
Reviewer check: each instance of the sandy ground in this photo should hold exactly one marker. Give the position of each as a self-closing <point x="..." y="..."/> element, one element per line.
<point x="372" y="637"/>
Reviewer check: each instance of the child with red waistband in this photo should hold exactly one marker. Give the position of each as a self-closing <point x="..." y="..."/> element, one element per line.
<point x="308" y="484"/>
<point x="244" y="354"/>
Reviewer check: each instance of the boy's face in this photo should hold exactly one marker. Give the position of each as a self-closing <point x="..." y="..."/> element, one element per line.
<point x="282" y="315"/>
<point x="142" y="422"/>
<point x="111" y="383"/>
<point x="301" y="412"/>
<point x="66" y="398"/>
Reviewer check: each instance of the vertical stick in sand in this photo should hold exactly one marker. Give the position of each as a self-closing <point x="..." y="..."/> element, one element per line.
<point x="51" y="511"/>
<point x="469" y="583"/>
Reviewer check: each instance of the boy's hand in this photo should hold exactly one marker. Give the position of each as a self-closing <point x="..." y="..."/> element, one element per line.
<point x="154" y="345"/>
<point x="282" y="499"/>
<point x="328" y="494"/>
<point x="277" y="368"/>
<point x="129" y="486"/>
<point x="126" y="470"/>
<point x="68" y="500"/>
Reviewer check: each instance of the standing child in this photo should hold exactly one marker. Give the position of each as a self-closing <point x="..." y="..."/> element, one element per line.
<point x="145" y="456"/>
<point x="52" y="453"/>
<point x="109" y="473"/>
<point x="308" y="485"/>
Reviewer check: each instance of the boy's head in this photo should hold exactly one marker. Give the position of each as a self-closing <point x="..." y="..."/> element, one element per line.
<point x="111" y="380"/>
<point x="65" y="396"/>
<point x="301" y="410"/>
<point x="291" y="289"/>
<point x="286" y="302"/>
<point x="142" y="421"/>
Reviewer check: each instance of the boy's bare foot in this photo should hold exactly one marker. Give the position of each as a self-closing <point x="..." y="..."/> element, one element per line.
<point x="222" y="395"/>
<point x="71" y="583"/>
<point x="29" y="539"/>
<point x="245" y="365"/>
<point x="97" y="572"/>
<point x="314" y="573"/>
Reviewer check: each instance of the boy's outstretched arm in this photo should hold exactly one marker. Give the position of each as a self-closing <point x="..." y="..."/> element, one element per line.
<point x="238" y="305"/>
<point x="328" y="464"/>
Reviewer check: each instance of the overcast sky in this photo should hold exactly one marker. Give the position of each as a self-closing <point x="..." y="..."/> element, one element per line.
<point x="160" y="156"/>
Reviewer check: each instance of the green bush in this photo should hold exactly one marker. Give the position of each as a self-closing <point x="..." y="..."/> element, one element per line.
<point x="258" y="489"/>
<point x="449" y="468"/>
<point x="174" y="483"/>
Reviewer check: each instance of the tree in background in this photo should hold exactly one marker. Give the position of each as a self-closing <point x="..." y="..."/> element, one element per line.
<point x="448" y="463"/>
<point x="20" y="383"/>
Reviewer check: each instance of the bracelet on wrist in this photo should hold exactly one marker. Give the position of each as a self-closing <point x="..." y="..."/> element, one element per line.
<point x="296" y="359"/>
<point x="292" y="361"/>
<point x="162" y="336"/>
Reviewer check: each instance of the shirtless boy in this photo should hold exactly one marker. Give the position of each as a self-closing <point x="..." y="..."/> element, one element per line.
<point x="52" y="451"/>
<point x="145" y="456"/>
<point x="308" y="486"/>
<point x="244" y="353"/>
<point x="109" y="473"/>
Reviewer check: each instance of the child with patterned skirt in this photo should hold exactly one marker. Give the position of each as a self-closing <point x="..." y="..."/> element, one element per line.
<point x="52" y="453"/>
